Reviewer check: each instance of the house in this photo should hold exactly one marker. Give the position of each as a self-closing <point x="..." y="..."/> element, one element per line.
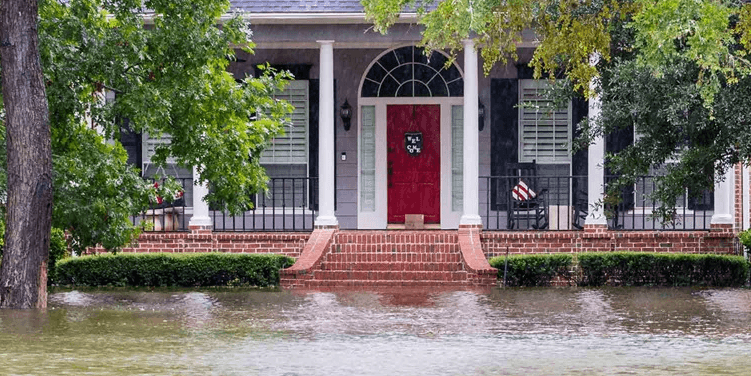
<point x="384" y="134"/>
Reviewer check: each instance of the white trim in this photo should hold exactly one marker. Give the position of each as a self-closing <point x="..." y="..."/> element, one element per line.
<point x="391" y="49"/>
<point x="378" y="219"/>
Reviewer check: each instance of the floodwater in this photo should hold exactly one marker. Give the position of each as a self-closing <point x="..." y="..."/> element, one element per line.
<point x="550" y="331"/>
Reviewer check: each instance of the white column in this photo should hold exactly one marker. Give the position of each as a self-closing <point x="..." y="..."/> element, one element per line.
<point x="326" y="215"/>
<point x="471" y="154"/>
<point x="200" y="216"/>
<point x="724" y="198"/>
<point x="595" y="170"/>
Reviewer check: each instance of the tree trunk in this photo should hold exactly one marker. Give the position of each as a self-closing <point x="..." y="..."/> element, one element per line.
<point x="23" y="277"/>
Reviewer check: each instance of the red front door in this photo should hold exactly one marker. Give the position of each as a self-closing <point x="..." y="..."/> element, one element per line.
<point x="414" y="162"/>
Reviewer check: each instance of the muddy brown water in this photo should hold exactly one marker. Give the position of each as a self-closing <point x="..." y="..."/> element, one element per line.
<point x="567" y="331"/>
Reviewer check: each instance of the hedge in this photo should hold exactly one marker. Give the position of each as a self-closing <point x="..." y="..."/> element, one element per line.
<point x="533" y="270"/>
<point x="168" y="269"/>
<point x="661" y="269"/>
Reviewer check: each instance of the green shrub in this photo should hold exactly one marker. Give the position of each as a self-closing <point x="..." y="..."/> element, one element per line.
<point x="532" y="270"/>
<point x="168" y="269"/>
<point x="58" y="251"/>
<point x="745" y="238"/>
<point x="661" y="269"/>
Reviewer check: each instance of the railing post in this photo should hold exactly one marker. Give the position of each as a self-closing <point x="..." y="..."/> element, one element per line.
<point x="200" y="221"/>
<point x="722" y="219"/>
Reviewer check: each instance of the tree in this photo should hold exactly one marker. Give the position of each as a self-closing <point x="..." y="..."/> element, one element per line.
<point x="167" y="67"/>
<point x="674" y="70"/>
<point x="23" y="278"/>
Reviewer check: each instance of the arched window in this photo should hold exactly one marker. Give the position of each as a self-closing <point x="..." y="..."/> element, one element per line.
<point x="407" y="72"/>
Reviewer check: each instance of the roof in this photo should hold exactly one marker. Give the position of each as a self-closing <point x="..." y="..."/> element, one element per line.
<point x="297" y="6"/>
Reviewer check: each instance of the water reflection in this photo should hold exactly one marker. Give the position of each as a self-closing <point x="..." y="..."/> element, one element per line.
<point x="660" y="331"/>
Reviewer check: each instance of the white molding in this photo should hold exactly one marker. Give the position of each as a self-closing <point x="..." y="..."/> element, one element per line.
<point x="378" y="219"/>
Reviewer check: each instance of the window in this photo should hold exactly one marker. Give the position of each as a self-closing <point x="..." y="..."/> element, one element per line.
<point x="457" y="158"/>
<point x="544" y="131"/>
<point x="367" y="160"/>
<point x="286" y="157"/>
<point x="292" y="147"/>
<point x="407" y="72"/>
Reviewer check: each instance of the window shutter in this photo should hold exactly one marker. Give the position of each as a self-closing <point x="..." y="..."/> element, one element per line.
<point x="504" y="132"/>
<point x="292" y="147"/>
<point x="150" y="144"/>
<point x="545" y="132"/>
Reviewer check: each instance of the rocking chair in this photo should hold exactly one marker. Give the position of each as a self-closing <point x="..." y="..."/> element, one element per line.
<point x="527" y="204"/>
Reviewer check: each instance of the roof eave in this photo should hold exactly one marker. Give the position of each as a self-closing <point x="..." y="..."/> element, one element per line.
<point x="316" y="18"/>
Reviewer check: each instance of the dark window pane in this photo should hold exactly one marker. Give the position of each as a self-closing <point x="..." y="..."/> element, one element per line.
<point x="403" y="73"/>
<point x="456" y="88"/>
<point x="421" y="90"/>
<point x="405" y="90"/>
<point x="437" y="61"/>
<point x="419" y="56"/>
<point x="404" y="54"/>
<point x="388" y="61"/>
<point x="424" y="73"/>
<point x="369" y="89"/>
<point x="438" y="87"/>
<point x="376" y="73"/>
<point x="450" y="74"/>
<point x="388" y="87"/>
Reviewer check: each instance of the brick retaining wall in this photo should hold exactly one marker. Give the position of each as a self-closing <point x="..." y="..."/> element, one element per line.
<point x="494" y="243"/>
<point x="290" y="244"/>
<point x="528" y="242"/>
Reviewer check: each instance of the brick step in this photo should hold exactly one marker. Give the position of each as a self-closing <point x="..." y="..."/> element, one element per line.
<point x="400" y="266"/>
<point x="387" y="257"/>
<point x="401" y="237"/>
<point x="380" y="283"/>
<point x="404" y="276"/>
<point x="395" y="248"/>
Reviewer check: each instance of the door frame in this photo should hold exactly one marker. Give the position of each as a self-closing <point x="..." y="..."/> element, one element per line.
<point x="378" y="219"/>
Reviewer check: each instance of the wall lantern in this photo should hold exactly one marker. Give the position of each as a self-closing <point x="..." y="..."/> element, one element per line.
<point x="480" y="115"/>
<point x="345" y="111"/>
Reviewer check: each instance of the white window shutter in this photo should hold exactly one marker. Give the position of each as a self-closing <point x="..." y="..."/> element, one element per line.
<point x="544" y="131"/>
<point x="149" y="145"/>
<point x="292" y="147"/>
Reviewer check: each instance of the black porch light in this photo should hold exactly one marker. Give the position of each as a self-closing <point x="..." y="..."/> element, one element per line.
<point x="345" y="111"/>
<point x="480" y="115"/>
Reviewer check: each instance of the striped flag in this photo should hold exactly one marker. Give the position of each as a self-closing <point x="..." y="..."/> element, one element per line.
<point x="522" y="192"/>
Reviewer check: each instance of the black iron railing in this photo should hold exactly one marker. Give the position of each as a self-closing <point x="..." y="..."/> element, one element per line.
<point x="290" y="204"/>
<point x="559" y="203"/>
<point x="168" y="215"/>
<point x="633" y="209"/>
